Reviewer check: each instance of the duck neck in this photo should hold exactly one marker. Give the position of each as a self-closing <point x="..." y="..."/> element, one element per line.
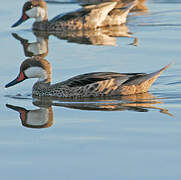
<point x="41" y="25"/>
<point x="42" y="16"/>
<point x="41" y="85"/>
<point x="45" y="78"/>
<point x="39" y="12"/>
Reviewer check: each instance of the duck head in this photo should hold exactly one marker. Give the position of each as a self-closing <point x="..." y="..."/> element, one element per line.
<point x="34" y="67"/>
<point x="36" y="9"/>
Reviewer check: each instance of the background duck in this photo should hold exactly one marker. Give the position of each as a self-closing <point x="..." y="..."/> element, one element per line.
<point x="139" y="7"/>
<point x="95" y="84"/>
<point x="88" y="17"/>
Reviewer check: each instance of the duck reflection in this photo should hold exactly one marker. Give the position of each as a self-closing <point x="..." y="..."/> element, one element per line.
<point x="38" y="48"/>
<point x="104" y="36"/>
<point x="38" y="118"/>
<point x="43" y="117"/>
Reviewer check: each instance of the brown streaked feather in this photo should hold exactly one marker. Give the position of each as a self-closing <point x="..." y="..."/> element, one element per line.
<point x="140" y="78"/>
<point x="85" y="18"/>
<point x="89" y="78"/>
<point x="70" y="15"/>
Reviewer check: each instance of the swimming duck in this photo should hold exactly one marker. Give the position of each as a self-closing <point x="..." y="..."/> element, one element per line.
<point x="139" y="7"/>
<point x="88" y="17"/>
<point x="94" y="84"/>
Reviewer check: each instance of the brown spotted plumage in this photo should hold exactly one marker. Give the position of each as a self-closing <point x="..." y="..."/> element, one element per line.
<point x="88" y="17"/>
<point x="95" y="84"/>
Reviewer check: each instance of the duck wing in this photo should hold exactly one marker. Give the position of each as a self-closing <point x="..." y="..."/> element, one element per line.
<point x="89" y="17"/>
<point x="119" y="79"/>
<point x="71" y="15"/>
<point x="87" y="79"/>
<point x="118" y="15"/>
<point x="85" y="10"/>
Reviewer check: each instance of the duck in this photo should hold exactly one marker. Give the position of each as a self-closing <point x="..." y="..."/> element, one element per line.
<point x="95" y="84"/>
<point x="87" y="17"/>
<point x="140" y="6"/>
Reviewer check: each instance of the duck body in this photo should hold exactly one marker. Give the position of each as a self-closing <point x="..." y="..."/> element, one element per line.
<point x="96" y="84"/>
<point x="87" y="17"/>
<point x="140" y="6"/>
<point x="93" y="85"/>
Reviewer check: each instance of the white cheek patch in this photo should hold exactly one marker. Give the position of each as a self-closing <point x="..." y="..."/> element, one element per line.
<point x="32" y="13"/>
<point x="36" y="72"/>
<point x="38" y="117"/>
<point x="37" y="12"/>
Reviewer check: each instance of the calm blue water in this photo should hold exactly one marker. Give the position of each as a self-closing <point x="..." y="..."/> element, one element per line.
<point x="121" y="138"/>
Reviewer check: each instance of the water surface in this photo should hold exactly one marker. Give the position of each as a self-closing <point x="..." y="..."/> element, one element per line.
<point x="120" y="138"/>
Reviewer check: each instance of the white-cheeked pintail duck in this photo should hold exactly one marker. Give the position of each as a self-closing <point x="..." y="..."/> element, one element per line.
<point x="96" y="84"/>
<point x="88" y="17"/>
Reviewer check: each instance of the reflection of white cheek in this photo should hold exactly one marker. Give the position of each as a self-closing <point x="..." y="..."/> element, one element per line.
<point x="38" y="117"/>
<point x="37" y="48"/>
<point x="34" y="48"/>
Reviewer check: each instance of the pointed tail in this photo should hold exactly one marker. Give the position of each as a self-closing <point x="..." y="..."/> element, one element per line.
<point x="128" y="6"/>
<point x="145" y="77"/>
<point x="157" y="73"/>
